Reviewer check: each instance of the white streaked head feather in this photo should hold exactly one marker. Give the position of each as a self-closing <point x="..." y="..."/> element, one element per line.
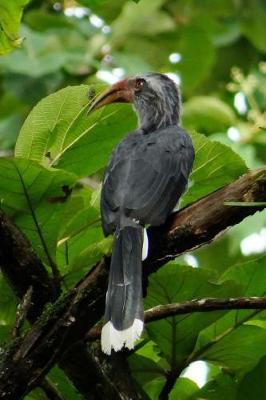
<point x="112" y="338"/>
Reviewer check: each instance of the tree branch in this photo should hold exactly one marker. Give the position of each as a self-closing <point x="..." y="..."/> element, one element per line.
<point x="205" y="305"/>
<point x="22" y="312"/>
<point x="198" y="305"/>
<point x="200" y="222"/>
<point x="23" y="270"/>
<point x="68" y="320"/>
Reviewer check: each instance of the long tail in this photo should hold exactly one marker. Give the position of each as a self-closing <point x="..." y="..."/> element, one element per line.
<point x="123" y="320"/>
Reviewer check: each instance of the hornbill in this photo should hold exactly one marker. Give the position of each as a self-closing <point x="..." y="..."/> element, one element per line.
<point x="147" y="173"/>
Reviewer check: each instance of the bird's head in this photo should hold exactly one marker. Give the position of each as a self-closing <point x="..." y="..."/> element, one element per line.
<point x="155" y="97"/>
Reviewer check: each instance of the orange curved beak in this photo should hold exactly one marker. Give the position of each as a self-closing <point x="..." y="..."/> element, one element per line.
<point x="120" y="92"/>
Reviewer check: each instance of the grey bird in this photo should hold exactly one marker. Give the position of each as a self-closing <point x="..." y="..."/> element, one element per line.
<point x="147" y="173"/>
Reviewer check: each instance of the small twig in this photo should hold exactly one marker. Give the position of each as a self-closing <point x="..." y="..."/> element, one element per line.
<point x="22" y="312"/>
<point x="50" y="390"/>
<point x="198" y="305"/>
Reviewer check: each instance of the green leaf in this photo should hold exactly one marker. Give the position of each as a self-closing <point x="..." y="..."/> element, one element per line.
<point x="35" y="198"/>
<point x="104" y="8"/>
<point x="81" y="242"/>
<point x="183" y="389"/>
<point x="36" y="394"/>
<point x="253" y="384"/>
<point x="93" y="247"/>
<point x="198" y="56"/>
<point x="236" y="349"/>
<point x="7" y="310"/>
<point x="80" y="213"/>
<point x="215" y="166"/>
<point x="10" y="16"/>
<point x="254" y="25"/>
<point x="176" y="336"/>
<point x="59" y="133"/>
<point x="148" y="369"/>
<point x="251" y="275"/>
<point x="39" y="20"/>
<point x="207" y="114"/>
<point x="63" y="384"/>
<point x="229" y="341"/>
<point x="145" y="17"/>
<point x="221" y="387"/>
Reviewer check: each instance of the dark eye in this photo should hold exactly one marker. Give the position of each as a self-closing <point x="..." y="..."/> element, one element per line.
<point x="139" y="83"/>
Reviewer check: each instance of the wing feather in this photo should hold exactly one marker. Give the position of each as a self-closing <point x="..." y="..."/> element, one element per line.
<point x="146" y="176"/>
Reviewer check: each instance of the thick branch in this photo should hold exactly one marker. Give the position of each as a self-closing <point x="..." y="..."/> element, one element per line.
<point x="202" y="221"/>
<point x="69" y="319"/>
<point x="23" y="270"/>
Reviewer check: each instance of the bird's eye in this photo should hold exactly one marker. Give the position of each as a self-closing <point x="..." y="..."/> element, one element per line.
<point x="139" y="83"/>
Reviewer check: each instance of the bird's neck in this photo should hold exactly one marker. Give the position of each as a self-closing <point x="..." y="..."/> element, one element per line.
<point x="156" y="116"/>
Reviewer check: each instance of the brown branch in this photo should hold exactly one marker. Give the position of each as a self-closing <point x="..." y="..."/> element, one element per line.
<point x="205" y="305"/>
<point x="22" y="312"/>
<point x="201" y="222"/>
<point x="69" y="319"/>
<point x="198" y="305"/>
<point x="116" y="371"/>
<point x="23" y="270"/>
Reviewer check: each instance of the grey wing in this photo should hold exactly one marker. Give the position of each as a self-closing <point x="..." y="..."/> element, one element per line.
<point x="146" y="183"/>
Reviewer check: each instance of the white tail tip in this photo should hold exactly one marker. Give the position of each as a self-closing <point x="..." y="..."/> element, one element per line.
<point x="111" y="338"/>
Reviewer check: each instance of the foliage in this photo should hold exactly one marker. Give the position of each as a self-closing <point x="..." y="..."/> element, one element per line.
<point x="10" y="16"/>
<point x="51" y="186"/>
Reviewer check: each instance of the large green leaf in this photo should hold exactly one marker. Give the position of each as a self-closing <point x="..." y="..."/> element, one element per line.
<point x="63" y="384"/>
<point x="236" y="349"/>
<point x="183" y="390"/>
<point x="229" y="341"/>
<point x="221" y="387"/>
<point x="59" y="133"/>
<point x="34" y="197"/>
<point x="10" y="16"/>
<point x="215" y="166"/>
<point x="253" y="385"/>
<point x="148" y="368"/>
<point x="197" y="51"/>
<point x="81" y="242"/>
<point x="207" y="114"/>
<point x="176" y="336"/>
<point x="254" y="24"/>
<point x="145" y="17"/>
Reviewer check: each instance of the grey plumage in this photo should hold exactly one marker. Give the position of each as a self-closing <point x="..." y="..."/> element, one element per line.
<point x="146" y="175"/>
